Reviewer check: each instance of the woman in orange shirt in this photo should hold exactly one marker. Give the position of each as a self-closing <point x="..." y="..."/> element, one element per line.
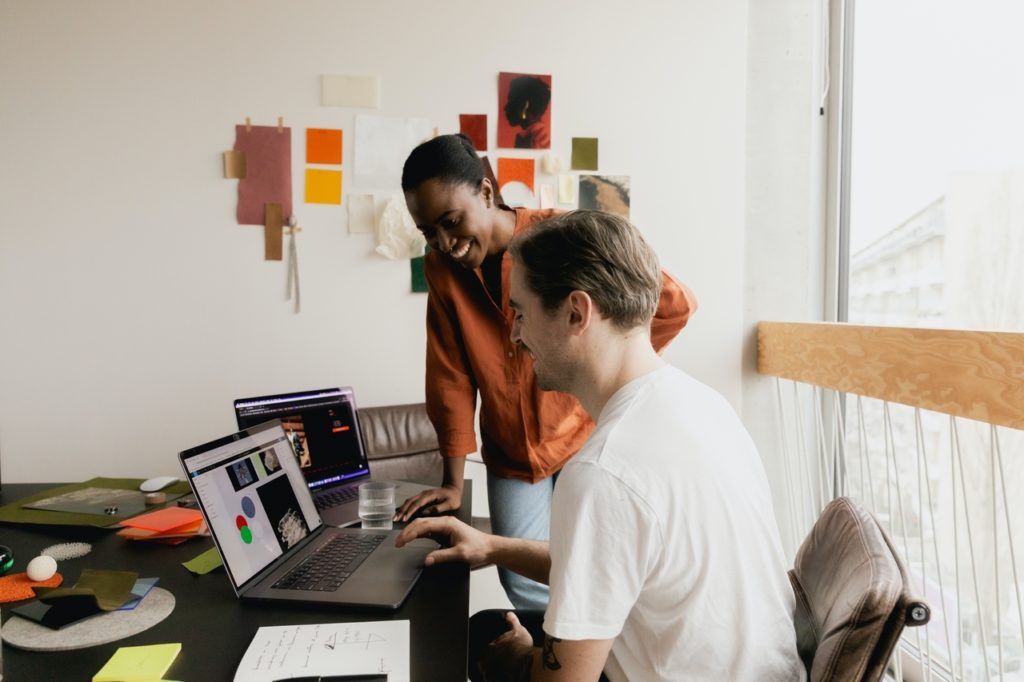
<point x="526" y="434"/>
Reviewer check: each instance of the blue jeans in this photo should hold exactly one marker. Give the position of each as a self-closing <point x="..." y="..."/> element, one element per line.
<point x="521" y="510"/>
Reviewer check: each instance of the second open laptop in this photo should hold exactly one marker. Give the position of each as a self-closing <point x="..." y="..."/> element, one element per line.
<point x="273" y="542"/>
<point x="324" y="432"/>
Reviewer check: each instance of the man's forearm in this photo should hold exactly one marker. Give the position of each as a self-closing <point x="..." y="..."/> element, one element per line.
<point x="529" y="558"/>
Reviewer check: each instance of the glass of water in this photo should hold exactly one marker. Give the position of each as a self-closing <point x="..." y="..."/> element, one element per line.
<point x="377" y="504"/>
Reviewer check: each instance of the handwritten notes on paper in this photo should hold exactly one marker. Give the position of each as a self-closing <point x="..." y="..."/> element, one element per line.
<point x="284" y="651"/>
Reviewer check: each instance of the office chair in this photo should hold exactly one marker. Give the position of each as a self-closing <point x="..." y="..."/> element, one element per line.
<point x="852" y="599"/>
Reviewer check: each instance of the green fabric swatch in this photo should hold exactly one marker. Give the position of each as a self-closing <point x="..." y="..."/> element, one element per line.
<point x="205" y="562"/>
<point x="419" y="280"/>
<point x="105" y="590"/>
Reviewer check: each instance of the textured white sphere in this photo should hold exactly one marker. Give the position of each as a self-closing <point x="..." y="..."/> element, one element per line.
<point x="41" y="568"/>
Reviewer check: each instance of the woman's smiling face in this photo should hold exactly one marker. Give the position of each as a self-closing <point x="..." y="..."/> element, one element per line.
<point x="455" y="219"/>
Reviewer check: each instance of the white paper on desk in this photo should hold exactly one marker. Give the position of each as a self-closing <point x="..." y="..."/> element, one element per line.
<point x="280" y="652"/>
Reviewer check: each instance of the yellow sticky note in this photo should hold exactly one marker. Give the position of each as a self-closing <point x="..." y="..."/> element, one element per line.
<point x="137" y="663"/>
<point x="323" y="186"/>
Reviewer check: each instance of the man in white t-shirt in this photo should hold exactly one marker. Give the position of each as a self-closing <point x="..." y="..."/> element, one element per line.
<point x="664" y="561"/>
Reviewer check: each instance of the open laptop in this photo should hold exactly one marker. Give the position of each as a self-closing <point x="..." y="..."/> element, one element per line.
<point x="324" y="432"/>
<point x="273" y="542"/>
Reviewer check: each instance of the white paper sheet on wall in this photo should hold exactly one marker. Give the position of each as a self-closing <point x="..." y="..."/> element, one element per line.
<point x="281" y="652"/>
<point x="382" y="145"/>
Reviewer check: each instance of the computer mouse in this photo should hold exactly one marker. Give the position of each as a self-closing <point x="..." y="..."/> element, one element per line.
<point x="151" y="485"/>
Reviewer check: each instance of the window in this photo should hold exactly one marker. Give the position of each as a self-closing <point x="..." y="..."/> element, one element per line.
<point x="936" y="239"/>
<point x="936" y="204"/>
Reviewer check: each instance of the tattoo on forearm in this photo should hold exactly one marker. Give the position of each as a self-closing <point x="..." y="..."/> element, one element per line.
<point x="550" y="660"/>
<point x="525" y="668"/>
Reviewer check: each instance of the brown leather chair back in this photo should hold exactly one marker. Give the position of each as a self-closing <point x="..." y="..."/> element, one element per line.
<point x="401" y="443"/>
<point x="851" y="596"/>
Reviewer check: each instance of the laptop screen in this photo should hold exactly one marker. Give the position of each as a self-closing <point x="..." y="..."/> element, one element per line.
<point x="322" y="428"/>
<point x="253" y="495"/>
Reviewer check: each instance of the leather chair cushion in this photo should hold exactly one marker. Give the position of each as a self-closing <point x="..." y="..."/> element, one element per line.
<point x="401" y="442"/>
<point x="850" y="593"/>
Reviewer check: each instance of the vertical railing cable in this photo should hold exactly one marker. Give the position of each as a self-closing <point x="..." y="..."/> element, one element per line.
<point x="792" y="488"/>
<point x="926" y="653"/>
<point x="956" y="554"/>
<point x="866" y="459"/>
<point x="935" y="544"/>
<point x="824" y="470"/>
<point x="970" y="546"/>
<point x="802" y="456"/>
<point x="995" y="551"/>
<point x="1009" y="532"/>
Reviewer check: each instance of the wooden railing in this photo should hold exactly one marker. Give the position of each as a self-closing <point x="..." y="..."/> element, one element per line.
<point x="937" y="478"/>
<point x="978" y="375"/>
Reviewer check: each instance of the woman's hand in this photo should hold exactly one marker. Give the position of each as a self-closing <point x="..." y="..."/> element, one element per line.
<point x="430" y="503"/>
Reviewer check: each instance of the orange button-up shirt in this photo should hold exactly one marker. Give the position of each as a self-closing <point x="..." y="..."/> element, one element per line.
<point x="526" y="433"/>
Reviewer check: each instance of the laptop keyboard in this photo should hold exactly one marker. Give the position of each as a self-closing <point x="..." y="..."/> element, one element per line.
<point x="333" y="498"/>
<point x="331" y="565"/>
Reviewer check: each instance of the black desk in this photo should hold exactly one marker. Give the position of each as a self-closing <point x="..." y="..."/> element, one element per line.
<point x="213" y="626"/>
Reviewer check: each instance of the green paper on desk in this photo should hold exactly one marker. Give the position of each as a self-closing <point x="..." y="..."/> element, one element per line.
<point x="138" y="663"/>
<point x="17" y="513"/>
<point x="205" y="562"/>
<point x="99" y="589"/>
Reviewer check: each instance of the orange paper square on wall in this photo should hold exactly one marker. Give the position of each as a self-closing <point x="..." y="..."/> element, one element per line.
<point x="323" y="145"/>
<point x="516" y="170"/>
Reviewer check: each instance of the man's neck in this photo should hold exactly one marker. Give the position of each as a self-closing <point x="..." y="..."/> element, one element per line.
<point x="617" y="360"/>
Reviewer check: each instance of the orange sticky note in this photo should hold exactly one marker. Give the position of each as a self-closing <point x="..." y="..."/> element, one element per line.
<point x="164" y="519"/>
<point x="323" y="145"/>
<point x="516" y="170"/>
<point x="323" y="186"/>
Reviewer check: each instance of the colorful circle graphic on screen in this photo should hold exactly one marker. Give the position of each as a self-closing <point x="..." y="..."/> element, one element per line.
<point x="248" y="508"/>
<point x="243" y="529"/>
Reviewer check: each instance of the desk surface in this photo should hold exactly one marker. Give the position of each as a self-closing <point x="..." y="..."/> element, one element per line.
<point x="214" y="627"/>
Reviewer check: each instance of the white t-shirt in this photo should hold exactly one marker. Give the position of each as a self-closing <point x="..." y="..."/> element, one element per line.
<point x="663" y="538"/>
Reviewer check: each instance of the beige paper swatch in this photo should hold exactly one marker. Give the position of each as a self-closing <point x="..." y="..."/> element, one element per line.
<point x="350" y="91"/>
<point x="547" y="196"/>
<point x="362" y="214"/>
<point x="566" y="189"/>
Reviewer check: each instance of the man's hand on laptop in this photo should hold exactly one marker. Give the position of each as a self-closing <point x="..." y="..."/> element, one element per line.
<point x="431" y="502"/>
<point x="466" y="543"/>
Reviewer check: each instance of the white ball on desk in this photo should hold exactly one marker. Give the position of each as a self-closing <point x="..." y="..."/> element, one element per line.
<point x="41" y="568"/>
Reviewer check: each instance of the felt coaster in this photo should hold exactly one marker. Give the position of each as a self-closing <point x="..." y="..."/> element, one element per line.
<point x="108" y="627"/>
<point x="17" y="586"/>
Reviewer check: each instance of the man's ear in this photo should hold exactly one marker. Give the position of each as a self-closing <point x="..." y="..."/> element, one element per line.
<point x="580" y="309"/>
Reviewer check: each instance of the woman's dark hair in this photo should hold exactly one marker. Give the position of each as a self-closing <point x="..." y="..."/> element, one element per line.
<point x="449" y="158"/>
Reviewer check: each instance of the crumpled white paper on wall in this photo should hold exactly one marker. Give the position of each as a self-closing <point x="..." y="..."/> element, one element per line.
<point x="397" y="236"/>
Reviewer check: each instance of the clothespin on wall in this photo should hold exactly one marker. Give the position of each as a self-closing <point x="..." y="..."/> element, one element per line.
<point x="280" y="124"/>
<point x="248" y="125"/>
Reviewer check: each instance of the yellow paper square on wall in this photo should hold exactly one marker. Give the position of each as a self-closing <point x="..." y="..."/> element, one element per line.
<point x="323" y="186"/>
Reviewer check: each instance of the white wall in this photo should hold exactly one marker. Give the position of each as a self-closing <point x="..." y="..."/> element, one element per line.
<point x="133" y="308"/>
<point x="785" y="210"/>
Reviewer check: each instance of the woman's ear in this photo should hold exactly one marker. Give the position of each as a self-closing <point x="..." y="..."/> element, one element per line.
<point x="487" y="192"/>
